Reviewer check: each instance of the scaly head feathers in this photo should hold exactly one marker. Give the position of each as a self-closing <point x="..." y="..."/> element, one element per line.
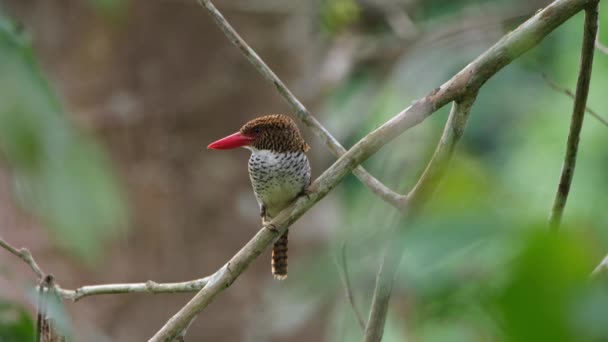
<point x="274" y="132"/>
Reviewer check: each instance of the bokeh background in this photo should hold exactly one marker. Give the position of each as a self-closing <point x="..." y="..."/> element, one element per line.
<point x="106" y="107"/>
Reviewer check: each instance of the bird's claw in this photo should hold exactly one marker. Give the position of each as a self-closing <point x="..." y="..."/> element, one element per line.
<point x="270" y="227"/>
<point x="305" y="192"/>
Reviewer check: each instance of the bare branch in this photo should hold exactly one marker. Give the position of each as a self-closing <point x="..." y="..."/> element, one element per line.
<point x="569" y="93"/>
<point x="466" y="82"/>
<point x="343" y="270"/>
<point x="25" y="255"/>
<point x="578" y="114"/>
<point x="382" y="293"/>
<point x="94" y="290"/>
<point x="302" y="113"/>
<point x="147" y="287"/>
<point x="423" y="189"/>
<point x="452" y="132"/>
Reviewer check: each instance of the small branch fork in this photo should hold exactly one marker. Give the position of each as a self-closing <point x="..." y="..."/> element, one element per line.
<point x="460" y="89"/>
<point x="578" y="114"/>
<point x="428" y="182"/>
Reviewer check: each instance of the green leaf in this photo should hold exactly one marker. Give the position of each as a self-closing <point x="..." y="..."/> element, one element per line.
<point x="549" y="275"/>
<point x="16" y="325"/>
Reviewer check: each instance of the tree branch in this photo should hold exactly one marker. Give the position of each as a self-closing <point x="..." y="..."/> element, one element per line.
<point x="94" y="290"/>
<point x="578" y="114"/>
<point x="467" y="81"/>
<point x="382" y="293"/>
<point x="569" y="93"/>
<point x="147" y="287"/>
<point x="424" y="188"/>
<point x="471" y="78"/>
<point x="25" y="255"/>
<point x="302" y="113"/>
<point x="343" y="270"/>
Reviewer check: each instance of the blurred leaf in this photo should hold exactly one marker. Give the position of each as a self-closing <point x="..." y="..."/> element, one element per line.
<point x="336" y="15"/>
<point x="547" y="277"/>
<point x="55" y="312"/>
<point x="589" y="313"/>
<point x="109" y="7"/>
<point x="16" y="325"/>
<point x="59" y="173"/>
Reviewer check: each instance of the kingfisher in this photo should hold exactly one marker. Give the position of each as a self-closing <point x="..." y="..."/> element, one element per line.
<point x="278" y="169"/>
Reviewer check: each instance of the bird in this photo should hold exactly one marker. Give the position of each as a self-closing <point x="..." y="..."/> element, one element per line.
<point x="279" y="170"/>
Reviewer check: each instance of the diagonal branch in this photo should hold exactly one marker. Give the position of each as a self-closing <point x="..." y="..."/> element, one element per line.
<point x="569" y="93"/>
<point x="578" y="114"/>
<point x="302" y="113"/>
<point x="467" y="81"/>
<point x="423" y="189"/>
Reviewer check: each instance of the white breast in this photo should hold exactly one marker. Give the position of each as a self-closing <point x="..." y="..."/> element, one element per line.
<point x="278" y="178"/>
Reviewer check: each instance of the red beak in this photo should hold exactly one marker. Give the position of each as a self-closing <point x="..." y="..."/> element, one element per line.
<point x="232" y="141"/>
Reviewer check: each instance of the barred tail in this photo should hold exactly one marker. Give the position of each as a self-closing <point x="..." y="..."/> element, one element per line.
<point x="279" y="257"/>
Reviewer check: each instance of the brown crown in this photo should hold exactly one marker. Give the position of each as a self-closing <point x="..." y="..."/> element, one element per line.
<point x="275" y="132"/>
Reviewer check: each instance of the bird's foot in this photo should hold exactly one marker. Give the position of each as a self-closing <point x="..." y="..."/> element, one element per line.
<point x="270" y="226"/>
<point x="306" y="192"/>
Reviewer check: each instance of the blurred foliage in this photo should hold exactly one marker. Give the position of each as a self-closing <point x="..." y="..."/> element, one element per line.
<point x="53" y="310"/>
<point x="337" y="15"/>
<point x="479" y="263"/>
<point x="112" y="8"/>
<point x="16" y="325"/>
<point x="59" y="173"/>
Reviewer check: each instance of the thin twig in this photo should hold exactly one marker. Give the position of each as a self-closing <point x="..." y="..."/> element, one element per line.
<point x="147" y="287"/>
<point x="569" y="93"/>
<point x="343" y="271"/>
<point x="598" y="44"/>
<point x="25" y="255"/>
<point x="468" y="80"/>
<point x="302" y="113"/>
<point x="578" y="114"/>
<point x="601" y="268"/>
<point x="94" y="290"/>
<point x="424" y="188"/>
<point x="382" y="293"/>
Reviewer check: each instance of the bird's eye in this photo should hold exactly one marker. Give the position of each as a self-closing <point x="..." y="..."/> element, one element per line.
<point x="256" y="130"/>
